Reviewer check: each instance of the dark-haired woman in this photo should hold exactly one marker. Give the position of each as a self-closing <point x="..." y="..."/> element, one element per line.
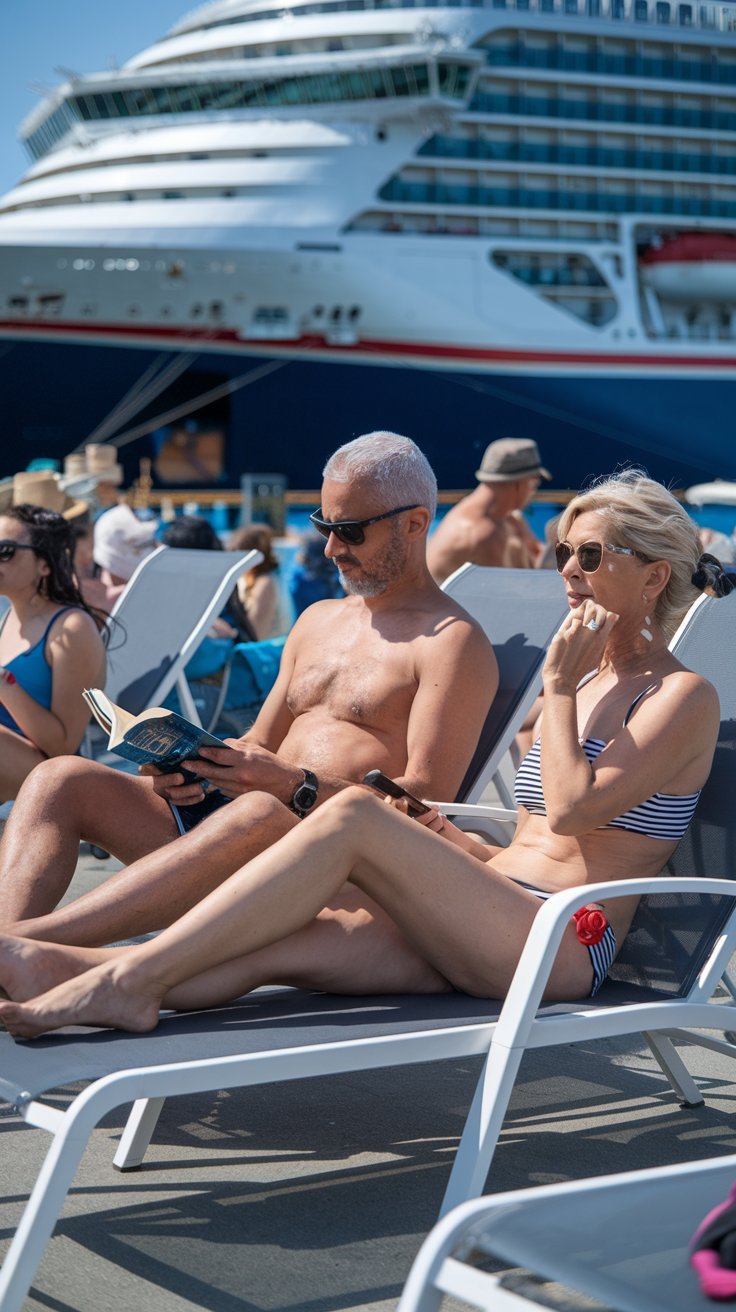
<point x="50" y="644"/>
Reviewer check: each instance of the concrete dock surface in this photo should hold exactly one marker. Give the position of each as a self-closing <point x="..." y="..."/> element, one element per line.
<point x="314" y="1195"/>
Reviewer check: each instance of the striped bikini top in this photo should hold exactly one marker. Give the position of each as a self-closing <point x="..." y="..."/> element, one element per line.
<point x="663" y="815"/>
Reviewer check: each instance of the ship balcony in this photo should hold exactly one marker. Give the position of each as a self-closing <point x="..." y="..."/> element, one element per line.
<point x="641" y="159"/>
<point x="397" y="190"/>
<point x="599" y="111"/>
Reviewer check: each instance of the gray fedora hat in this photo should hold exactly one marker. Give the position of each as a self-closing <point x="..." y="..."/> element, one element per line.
<point x="510" y="458"/>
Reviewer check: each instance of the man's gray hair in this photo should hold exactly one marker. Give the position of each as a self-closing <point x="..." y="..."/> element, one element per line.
<point x="394" y="463"/>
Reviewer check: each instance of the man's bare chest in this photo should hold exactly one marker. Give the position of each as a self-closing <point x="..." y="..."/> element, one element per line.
<point x="363" y="681"/>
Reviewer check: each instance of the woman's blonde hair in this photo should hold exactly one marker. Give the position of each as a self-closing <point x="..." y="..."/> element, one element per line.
<point x="645" y="516"/>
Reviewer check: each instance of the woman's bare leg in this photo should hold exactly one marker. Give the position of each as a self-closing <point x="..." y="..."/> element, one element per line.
<point x="461" y="918"/>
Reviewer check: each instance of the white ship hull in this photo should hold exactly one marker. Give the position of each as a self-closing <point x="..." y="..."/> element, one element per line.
<point x="453" y="226"/>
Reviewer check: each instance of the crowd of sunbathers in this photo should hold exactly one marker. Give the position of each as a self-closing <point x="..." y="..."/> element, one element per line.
<point x="308" y="876"/>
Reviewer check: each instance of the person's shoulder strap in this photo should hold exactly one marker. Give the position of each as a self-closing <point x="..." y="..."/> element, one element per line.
<point x="54" y="618"/>
<point x="650" y="688"/>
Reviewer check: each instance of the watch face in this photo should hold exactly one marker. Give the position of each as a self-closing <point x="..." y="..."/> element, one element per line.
<point x="305" y="797"/>
<point x="306" y="794"/>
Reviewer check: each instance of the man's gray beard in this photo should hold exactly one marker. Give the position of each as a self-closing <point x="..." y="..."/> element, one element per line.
<point x="362" y="587"/>
<point x="388" y="567"/>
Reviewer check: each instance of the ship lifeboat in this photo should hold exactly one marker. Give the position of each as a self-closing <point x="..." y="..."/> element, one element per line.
<point x="718" y="493"/>
<point x="692" y="267"/>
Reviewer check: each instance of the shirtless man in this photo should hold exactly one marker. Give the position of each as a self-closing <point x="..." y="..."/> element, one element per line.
<point x="394" y="676"/>
<point x="487" y="527"/>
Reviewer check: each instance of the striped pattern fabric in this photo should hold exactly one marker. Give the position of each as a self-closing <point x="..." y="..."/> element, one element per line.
<point x="663" y="815"/>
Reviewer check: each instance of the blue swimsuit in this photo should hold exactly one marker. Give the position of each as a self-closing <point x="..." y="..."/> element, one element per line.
<point x="663" y="815"/>
<point x="33" y="673"/>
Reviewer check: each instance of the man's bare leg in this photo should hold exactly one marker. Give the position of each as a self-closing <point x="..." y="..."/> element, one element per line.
<point x="167" y="882"/>
<point x="28" y="968"/>
<point x="62" y="802"/>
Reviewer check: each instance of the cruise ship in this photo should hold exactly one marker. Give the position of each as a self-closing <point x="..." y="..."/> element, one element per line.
<point x="287" y="223"/>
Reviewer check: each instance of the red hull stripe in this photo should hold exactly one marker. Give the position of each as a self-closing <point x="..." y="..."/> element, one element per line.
<point x="228" y="339"/>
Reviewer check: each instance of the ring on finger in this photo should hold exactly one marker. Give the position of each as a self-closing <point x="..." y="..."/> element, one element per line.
<point x="593" y="625"/>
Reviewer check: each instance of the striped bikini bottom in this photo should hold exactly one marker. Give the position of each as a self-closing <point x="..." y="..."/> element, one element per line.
<point x="601" y="954"/>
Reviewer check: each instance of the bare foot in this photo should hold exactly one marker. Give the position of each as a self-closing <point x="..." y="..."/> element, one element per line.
<point x="101" y="996"/>
<point x="28" y="968"/>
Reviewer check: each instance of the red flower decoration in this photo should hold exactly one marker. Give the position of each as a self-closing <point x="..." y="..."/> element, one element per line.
<point x="590" y="924"/>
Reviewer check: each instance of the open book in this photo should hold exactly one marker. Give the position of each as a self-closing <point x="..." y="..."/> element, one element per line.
<point x="156" y="735"/>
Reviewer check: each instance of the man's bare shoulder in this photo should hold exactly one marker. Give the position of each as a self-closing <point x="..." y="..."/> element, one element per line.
<point x="450" y="627"/>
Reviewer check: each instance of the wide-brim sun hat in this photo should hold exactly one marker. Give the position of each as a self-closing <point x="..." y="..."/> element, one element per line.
<point x="43" y="488"/>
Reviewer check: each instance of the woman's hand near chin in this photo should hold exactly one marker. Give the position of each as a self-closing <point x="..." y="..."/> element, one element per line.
<point x="577" y="646"/>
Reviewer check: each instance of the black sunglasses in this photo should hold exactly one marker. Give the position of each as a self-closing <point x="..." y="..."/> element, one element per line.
<point x="590" y="554"/>
<point x="351" y="530"/>
<point x="8" y="549"/>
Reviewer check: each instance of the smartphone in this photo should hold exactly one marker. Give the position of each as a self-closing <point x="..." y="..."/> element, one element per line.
<point x="385" y="785"/>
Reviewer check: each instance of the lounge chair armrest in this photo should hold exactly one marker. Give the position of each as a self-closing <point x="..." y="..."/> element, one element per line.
<point x="477" y="809"/>
<point x="540" y="950"/>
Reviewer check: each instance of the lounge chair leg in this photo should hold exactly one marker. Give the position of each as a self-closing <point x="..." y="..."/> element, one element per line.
<point x="483" y="1126"/>
<point x="675" y="1069"/>
<point x="136" y="1136"/>
<point x="423" y="1291"/>
<point x="40" y="1216"/>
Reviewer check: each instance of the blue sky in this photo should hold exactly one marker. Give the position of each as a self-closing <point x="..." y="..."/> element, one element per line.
<point x="39" y="36"/>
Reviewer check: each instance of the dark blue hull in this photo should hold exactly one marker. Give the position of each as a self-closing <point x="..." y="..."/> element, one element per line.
<point x="681" y="429"/>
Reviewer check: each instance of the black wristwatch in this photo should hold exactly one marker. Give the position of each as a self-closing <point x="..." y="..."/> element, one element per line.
<point x="305" y="796"/>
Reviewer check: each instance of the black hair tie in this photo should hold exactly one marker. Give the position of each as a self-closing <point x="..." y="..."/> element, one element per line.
<point x="711" y="577"/>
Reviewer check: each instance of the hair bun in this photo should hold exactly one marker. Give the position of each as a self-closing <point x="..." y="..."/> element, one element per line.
<point x="711" y="577"/>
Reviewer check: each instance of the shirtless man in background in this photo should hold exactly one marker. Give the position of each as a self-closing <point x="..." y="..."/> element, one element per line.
<point x="394" y="676"/>
<point x="487" y="526"/>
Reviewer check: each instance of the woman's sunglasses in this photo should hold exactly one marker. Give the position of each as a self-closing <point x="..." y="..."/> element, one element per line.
<point x="590" y="554"/>
<point x="350" y="531"/>
<point x="8" y="549"/>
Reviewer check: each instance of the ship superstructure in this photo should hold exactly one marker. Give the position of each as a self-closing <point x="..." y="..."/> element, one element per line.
<point x="492" y="217"/>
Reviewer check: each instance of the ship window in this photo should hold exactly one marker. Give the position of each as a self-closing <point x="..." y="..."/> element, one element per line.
<point x="663" y="11"/>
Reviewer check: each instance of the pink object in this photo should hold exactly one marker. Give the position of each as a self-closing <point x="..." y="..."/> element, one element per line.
<point x="716" y="1281"/>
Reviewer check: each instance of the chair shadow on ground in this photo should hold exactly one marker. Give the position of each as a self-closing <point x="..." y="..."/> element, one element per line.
<point x="337" y="1180"/>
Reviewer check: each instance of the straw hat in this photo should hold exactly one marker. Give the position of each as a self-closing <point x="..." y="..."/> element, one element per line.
<point x="102" y="463"/>
<point x="43" y="488"/>
<point x="510" y="458"/>
<point x="97" y="464"/>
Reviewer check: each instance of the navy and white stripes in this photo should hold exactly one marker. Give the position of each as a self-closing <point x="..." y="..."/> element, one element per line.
<point x="663" y="815"/>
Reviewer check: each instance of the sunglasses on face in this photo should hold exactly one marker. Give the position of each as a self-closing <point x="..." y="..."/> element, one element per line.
<point x="351" y="531"/>
<point x="590" y="554"/>
<point x="8" y="549"/>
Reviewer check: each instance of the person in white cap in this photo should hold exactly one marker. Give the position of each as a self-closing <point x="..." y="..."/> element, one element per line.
<point x="487" y="526"/>
<point x="121" y="540"/>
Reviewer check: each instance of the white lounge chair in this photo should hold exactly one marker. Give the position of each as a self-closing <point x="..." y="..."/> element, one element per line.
<point x="621" y="1239"/>
<point x="661" y="984"/>
<point x="160" y="619"/>
<point x="520" y="610"/>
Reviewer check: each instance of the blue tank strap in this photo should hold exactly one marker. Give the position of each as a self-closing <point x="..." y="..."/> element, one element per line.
<point x="53" y="620"/>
